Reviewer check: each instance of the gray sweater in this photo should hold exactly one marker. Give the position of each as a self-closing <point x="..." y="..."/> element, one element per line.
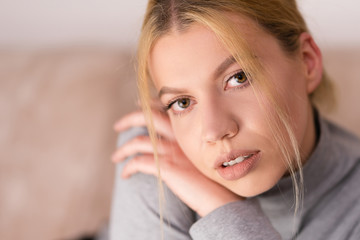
<point x="331" y="206"/>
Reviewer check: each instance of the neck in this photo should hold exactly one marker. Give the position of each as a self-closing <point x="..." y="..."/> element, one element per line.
<point x="311" y="136"/>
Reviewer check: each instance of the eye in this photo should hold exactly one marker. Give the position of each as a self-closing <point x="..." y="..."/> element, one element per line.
<point x="239" y="79"/>
<point x="179" y="105"/>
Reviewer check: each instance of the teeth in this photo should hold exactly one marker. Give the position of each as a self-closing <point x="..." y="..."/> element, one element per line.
<point x="236" y="160"/>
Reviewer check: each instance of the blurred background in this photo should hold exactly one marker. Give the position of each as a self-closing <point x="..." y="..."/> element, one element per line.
<point x="67" y="74"/>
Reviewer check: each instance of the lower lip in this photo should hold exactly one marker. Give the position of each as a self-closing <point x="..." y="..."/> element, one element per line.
<point x="238" y="170"/>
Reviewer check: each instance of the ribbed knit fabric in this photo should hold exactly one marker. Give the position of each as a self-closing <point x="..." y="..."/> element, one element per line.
<point x="331" y="206"/>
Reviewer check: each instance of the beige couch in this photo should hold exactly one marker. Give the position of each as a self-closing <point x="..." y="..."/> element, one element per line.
<point x="57" y="108"/>
<point x="57" y="111"/>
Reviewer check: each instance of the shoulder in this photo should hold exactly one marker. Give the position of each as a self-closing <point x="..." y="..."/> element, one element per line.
<point x="332" y="181"/>
<point x="344" y="150"/>
<point x="341" y="143"/>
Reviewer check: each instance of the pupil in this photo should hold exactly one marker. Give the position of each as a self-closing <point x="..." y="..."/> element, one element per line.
<point x="241" y="77"/>
<point x="183" y="103"/>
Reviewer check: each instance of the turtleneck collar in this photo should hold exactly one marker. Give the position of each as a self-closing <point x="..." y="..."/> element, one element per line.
<point x="322" y="171"/>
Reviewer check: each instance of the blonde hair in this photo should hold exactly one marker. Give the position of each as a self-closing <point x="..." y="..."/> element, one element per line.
<point x="280" y="18"/>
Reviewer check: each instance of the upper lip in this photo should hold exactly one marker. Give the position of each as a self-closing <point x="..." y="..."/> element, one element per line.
<point x="226" y="157"/>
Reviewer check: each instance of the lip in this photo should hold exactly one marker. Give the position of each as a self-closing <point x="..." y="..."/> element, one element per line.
<point x="238" y="170"/>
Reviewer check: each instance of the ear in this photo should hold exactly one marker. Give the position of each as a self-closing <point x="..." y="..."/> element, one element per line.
<point x="312" y="61"/>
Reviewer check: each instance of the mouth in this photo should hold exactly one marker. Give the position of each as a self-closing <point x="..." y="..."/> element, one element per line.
<point x="236" y="164"/>
<point x="234" y="157"/>
<point x="237" y="160"/>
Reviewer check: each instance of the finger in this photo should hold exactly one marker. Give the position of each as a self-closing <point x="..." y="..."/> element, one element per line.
<point x="161" y="123"/>
<point x="136" y="118"/>
<point x="142" y="163"/>
<point x="142" y="145"/>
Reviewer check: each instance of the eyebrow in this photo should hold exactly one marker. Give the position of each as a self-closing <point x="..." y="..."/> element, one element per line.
<point x="219" y="70"/>
<point x="167" y="90"/>
<point x="224" y="65"/>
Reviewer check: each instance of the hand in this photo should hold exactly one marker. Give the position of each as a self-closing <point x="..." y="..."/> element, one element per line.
<point x="195" y="189"/>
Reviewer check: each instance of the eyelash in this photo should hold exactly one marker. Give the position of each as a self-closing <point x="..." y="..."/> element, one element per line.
<point x="246" y="82"/>
<point x="170" y="104"/>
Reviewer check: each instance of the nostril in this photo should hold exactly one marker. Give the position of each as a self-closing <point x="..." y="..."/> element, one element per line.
<point x="220" y="133"/>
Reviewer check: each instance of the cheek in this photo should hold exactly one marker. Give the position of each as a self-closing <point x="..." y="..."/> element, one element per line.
<point x="188" y="135"/>
<point x="292" y="96"/>
<point x="187" y="138"/>
<point x="297" y="102"/>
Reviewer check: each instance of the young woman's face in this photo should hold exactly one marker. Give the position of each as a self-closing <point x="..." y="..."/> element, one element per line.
<point x="214" y="112"/>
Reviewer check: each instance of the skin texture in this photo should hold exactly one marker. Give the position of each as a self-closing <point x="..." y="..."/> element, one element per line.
<point x="213" y="114"/>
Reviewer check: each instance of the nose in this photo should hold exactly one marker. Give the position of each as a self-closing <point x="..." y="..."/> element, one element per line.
<point x="218" y="123"/>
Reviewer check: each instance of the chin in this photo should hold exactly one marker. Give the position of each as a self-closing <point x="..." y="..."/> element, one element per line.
<point x="253" y="188"/>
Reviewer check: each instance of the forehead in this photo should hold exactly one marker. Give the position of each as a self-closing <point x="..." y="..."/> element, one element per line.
<point x="194" y="52"/>
<point x="178" y="52"/>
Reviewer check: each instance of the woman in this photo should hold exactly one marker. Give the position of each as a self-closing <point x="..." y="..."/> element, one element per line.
<point x="237" y="141"/>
